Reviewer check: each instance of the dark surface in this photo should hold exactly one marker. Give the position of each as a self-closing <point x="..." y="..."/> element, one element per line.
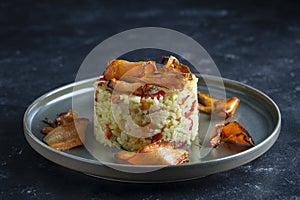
<point x="43" y="44"/>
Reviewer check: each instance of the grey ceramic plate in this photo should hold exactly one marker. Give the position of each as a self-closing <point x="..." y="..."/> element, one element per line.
<point x="256" y="112"/>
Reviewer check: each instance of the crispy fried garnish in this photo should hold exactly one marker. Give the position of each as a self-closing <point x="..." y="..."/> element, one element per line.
<point x="63" y="132"/>
<point x="66" y="136"/>
<point x="66" y="117"/>
<point x="157" y="153"/>
<point x="145" y="90"/>
<point x="125" y="76"/>
<point x="47" y="129"/>
<point x="118" y="68"/>
<point x="61" y="119"/>
<point x="226" y="108"/>
<point x="206" y="100"/>
<point x="230" y="132"/>
<point x="171" y="80"/>
<point x="175" y="65"/>
<point x="50" y="122"/>
<point x="223" y="108"/>
<point x="122" y="86"/>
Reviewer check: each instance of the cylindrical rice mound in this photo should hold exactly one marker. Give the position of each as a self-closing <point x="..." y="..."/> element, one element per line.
<point x="137" y="121"/>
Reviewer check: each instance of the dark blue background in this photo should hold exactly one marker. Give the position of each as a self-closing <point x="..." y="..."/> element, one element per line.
<point x="42" y="44"/>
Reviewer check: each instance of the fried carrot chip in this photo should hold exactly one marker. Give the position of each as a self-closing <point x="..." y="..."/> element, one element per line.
<point x="223" y="108"/>
<point x="226" y="108"/>
<point x="157" y="153"/>
<point x="205" y="102"/>
<point x="118" y="68"/>
<point x="125" y="76"/>
<point x="66" y="136"/>
<point x="231" y="132"/>
<point x="174" y="64"/>
<point x="63" y="132"/>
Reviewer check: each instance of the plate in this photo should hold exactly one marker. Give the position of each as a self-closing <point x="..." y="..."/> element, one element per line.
<point x="257" y="113"/>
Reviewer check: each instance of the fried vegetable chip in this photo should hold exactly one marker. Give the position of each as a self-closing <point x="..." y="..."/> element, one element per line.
<point x="62" y="134"/>
<point x="223" y="108"/>
<point x="157" y="153"/>
<point x="231" y="132"/>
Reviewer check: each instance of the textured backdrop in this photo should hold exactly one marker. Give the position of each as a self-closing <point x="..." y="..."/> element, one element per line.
<point x="43" y="44"/>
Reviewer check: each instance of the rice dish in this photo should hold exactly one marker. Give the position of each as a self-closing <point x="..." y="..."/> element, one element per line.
<point x="138" y="103"/>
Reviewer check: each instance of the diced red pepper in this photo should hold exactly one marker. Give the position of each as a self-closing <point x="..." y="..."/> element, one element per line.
<point x="101" y="79"/>
<point x="156" y="137"/>
<point x="188" y="113"/>
<point x="185" y="98"/>
<point x="159" y="94"/>
<point x="96" y="95"/>
<point x="108" y="132"/>
<point x="191" y="125"/>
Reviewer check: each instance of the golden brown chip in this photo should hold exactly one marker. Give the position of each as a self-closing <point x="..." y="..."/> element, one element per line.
<point x="176" y="66"/>
<point x="63" y="132"/>
<point x="226" y="108"/>
<point x="157" y="153"/>
<point x="46" y="130"/>
<point x="66" y="117"/>
<point x="66" y="136"/>
<point x="230" y="132"/>
<point x="118" y="68"/>
<point x="222" y="108"/>
<point x="206" y="100"/>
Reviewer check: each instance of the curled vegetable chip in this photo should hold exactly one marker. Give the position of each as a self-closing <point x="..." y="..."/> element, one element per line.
<point x="118" y="68"/>
<point x="223" y="108"/>
<point x="62" y="134"/>
<point x="157" y="153"/>
<point x="231" y="132"/>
